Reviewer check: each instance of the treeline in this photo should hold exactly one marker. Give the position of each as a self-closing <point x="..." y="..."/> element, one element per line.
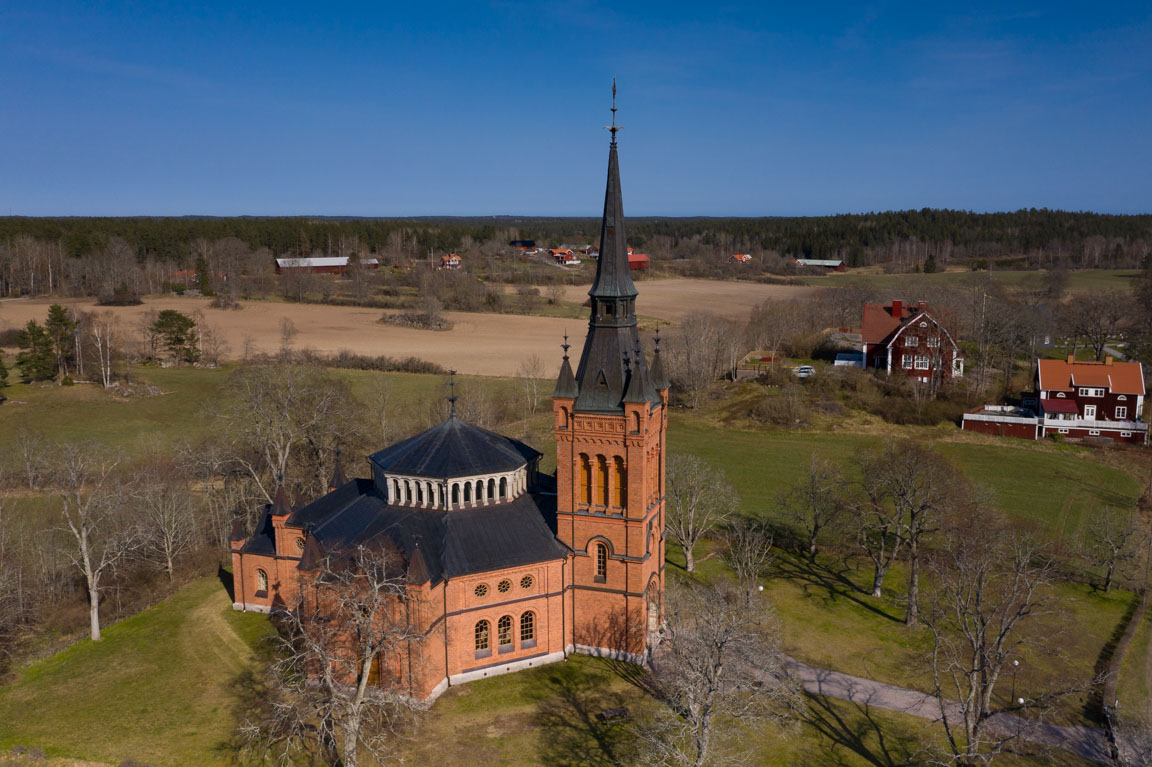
<point x="1034" y="237"/>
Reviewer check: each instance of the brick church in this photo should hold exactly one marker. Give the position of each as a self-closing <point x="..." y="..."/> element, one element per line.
<point x="512" y="568"/>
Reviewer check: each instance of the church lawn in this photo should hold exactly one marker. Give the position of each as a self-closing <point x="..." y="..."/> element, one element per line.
<point x="157" y="689"/>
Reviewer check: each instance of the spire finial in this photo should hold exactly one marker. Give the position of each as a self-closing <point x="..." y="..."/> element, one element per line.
<point x="452" y="394"/>
<point x="613" y="128"/>
<point x="565" y="346"/>
<point x="657" y="339"/>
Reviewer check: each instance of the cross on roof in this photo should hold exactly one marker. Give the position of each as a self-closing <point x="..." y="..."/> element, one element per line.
<point x="613" y="128"/>
<point x="452" y="394"/>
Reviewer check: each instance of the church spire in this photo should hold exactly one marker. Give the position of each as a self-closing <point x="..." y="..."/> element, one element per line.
<point x="566" y="382"/>
<point x="607" y="364"/>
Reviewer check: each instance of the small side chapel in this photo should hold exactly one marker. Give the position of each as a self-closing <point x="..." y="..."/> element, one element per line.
<point x="513" y="568"/>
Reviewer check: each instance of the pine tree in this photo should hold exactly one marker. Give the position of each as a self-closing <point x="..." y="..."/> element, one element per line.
<point x="177" y="331"/>
<point x="61" y="329"/>
<point x="203" y="276"/>
<point x="930" y="264"/>
<point x="37" y="357"/>
<point x="3" y="372"/>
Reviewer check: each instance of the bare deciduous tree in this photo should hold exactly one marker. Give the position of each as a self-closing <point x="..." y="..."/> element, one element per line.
<point x="102" y="533"/>
<point x="694" y="359"/>
<point x="747" y="550"/>
<point x="918" y="486"/>
<point x="531" y="370"/>
<point x="336" y="692"/>
<point x="168" y="527"/>
<point x="1110" y="543"/>
<point x="1097" y="317"/>
<point x="699" y="500"/>
<point x="817" y="501"/>
<point x="105" y="329"/>
<point x="987" y="583"/>
<point x="718" y="662"/>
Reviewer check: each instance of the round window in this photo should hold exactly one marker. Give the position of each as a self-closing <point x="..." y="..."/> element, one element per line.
<point x="481" y="590"/>
<point x="300" y="543"/>
<point x="504" y="586"/>
<point x="526" y="582"/>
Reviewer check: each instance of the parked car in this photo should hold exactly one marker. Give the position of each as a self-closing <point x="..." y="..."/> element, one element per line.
<point x="804" y="371"/>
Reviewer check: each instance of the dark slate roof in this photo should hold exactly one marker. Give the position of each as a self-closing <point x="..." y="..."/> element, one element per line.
<point x="263" y="541"/>
<point x="454" y="449"/>
<point x="566" y="382"/>
<point x="450" y="543"/>
<point x="613" y="276"/>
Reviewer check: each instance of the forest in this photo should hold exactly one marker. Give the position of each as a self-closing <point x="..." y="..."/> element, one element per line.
<point x="1022" y="239"/>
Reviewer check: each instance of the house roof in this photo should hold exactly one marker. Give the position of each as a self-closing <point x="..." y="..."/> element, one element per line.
<point x="831" y="262"/>
<point x="880" y="321"/>
<point x="1059" y="406"/>
<point x="1117" y="377"/>
<point x="454" y="449"/>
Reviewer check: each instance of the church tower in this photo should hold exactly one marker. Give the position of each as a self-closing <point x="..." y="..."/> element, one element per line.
<point x="610" y="424"/>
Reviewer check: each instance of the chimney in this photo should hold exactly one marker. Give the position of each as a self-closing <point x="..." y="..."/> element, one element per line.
<point x="1071" y="358"/>
<point x="920" y="305"/>
<point x="1108" y="360"/>
<point x="897" y="309"/>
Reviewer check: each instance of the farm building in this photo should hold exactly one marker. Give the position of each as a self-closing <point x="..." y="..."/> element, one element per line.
<point x="565" y="256"/>
<point x="451" y="261"/>
<point x="740" y="258"/>
<point x="322" y="264"/>
<point x="1074" y="399"/>
<point x="831" y="264"/>
<point x="637" y="262"/>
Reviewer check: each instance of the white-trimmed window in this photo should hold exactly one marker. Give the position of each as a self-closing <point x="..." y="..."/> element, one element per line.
<point x="1121" y="413"/>
<point x="921" y="363"/>
<point x="1089" y="391"/>
<point x="911" y="340"/>
<point x="1121" y="398"/>
<point x="1125" y="434"/>
<point x="1094" y="432"/>
<point x="1060" y="394"/>
<point x="906" y="362"/>
<point x="261" y="581"/>
<point x="1090" y="412"/>
<point x="504" y="633"/>
<point x="483" y="646"/>
<point x="1063" y="431"/>
<point x="933" y="342"/>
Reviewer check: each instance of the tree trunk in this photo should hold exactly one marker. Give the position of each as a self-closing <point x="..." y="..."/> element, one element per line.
<point x="1108" y="576"/>
<point x="812" y="546"/>
<point x="913" y="613"/>
<point x="689" y="558"/>
<point x="94" y="613"/>
<point x="878" y="580"/>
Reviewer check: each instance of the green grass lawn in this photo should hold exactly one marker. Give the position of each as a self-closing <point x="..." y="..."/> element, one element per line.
<point x="157" y="688"/>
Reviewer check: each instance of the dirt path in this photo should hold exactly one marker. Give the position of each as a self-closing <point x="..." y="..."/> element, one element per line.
<point x="1086" y="742"/>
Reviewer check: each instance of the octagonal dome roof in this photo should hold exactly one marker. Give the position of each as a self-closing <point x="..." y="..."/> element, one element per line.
<point x="454" y="449"/>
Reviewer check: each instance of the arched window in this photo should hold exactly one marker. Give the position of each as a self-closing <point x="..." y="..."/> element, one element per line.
<point x="455" y="494"/>
<point x="440" y="492"/>
<point x="467" y="492"/>
<point x="528" y="630"/>
<point x="636" y="423"/>
<point x="619" y="482"/>
<point x="503" y="487"/>
<point x="261" y="581"/>
<point x="585" y="479"/>
<point x="419" y="492"/>
<point x="491" y="489"/>
<point x="396" y="491"/>
<point x="504" y="633"/>
<point x="479" y="489"/>
<point x="407" y="491"/>
<point x="601" y="480"/>
<point x="563" y="418"/>
<point x="601" y="562"/>
<point x="483" y="646"/>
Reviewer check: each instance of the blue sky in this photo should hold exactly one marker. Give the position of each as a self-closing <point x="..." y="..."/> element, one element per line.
<point x="382" y="109"/>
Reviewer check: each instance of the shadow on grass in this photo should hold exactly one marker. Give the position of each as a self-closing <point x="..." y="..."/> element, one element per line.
<point x="227" y="581"/>
<point x="863" y="735"/>
<point x="816" y="574"/>
<point x="570" y="701"/>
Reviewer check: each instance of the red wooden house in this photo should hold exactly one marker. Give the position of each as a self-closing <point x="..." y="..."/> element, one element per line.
<point x="909" y="340"/>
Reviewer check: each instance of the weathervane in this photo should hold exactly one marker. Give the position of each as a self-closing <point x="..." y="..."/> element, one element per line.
<point x="452" y="395"/>
<point x="613" y="127"/>
<point x="565" y="346"/>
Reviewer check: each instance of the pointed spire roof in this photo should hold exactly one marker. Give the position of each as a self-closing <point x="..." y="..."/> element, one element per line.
<point x="637" y="391"/>
<point x="280" y="504"/>
<point x="417" y="566"/>
<point x="613" y="278"/>
<point x="338" y="479"/>
<point x="566" y="385"/>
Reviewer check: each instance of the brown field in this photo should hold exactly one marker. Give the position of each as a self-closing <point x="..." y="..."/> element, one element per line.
<point x="480" y="344"/>
<point x="672" y="300"/>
